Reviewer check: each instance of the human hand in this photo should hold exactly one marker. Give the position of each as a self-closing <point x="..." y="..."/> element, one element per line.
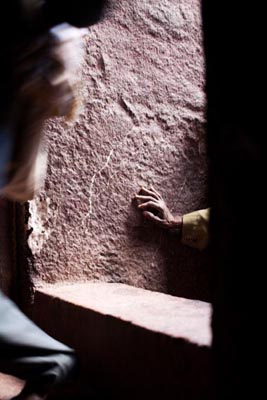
<point x="155" y="209"/>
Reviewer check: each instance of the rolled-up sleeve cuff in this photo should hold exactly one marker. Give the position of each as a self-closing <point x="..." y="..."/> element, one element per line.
<point x="196" y="229"/>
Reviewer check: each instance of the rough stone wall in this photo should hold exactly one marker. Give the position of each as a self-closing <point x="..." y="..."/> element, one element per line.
<point x="143" y="123"/>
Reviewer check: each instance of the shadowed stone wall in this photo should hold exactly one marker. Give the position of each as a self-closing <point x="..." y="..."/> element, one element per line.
<point x="143" y="123"/>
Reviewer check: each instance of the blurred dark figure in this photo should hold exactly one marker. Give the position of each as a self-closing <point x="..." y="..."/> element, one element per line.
<point x="40" y="45"/>
<point x="40" y="57"/>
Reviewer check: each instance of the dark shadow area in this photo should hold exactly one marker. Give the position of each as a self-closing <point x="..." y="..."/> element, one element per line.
<point x="236" y="79"/>
<point x="9" y="283"/>
<point x="188" y="270"/>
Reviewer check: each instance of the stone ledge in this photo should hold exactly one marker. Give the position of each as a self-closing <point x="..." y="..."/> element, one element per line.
<point x="173" y="316"/>
<point x="130" y="337"/>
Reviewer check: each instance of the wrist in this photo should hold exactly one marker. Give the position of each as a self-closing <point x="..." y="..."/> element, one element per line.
<point x="176" y="226"/>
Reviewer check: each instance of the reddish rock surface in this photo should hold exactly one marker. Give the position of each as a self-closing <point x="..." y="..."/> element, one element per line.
<point x="143" y="123"/>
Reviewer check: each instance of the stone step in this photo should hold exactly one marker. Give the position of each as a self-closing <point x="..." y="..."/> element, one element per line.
<point x="131" y="338"/>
